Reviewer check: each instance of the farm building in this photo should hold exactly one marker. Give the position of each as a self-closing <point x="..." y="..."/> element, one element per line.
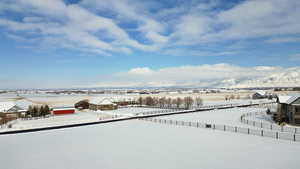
<point x="9" y="111"/>
<point x="102" y="104"/>
<point x="288" y="109"/>
<point x="63" y="110"/>
<point x="260" y="94"/>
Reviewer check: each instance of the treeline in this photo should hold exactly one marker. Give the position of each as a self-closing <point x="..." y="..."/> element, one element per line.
<point x="38" y="111"/>
<point x="164" y="102"/>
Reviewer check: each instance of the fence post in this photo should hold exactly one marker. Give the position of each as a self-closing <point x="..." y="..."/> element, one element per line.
<point x="294" y="137"/>
<point x="235" y="129"/>
<point x="295" y="130"/>
<point x="271" y="127"/>
<point x="224" y="128"/>
<point x="262" y="133"/>
<point x="277" y="135"/>
<point x="197" y="124"/>
<point x="248" y="131"/>
<point x="261" y="125"/>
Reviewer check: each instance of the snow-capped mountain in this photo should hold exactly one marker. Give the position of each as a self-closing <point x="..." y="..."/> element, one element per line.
<point x="288" y="78"/>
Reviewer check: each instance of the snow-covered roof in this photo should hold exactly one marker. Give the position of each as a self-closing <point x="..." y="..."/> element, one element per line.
<point x="283" y="99"/>
<point x="5" y="106"/>
<point x="96" y="100"/>
<point x="288" y="99"/>
<point x="99" y="100"/>
<point x="106" y="102"/>
<point x="261" y="92"/>
<point x="24" y="103"/>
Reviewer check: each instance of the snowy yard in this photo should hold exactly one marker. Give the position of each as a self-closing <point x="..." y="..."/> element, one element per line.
<point x="223" y="116"/>
<point x="139" y="145"/>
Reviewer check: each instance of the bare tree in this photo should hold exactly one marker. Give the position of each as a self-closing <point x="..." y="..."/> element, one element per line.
<point x="149" y="101"/>
<point x="155" y="101"/>
<point x="140" y="101"/>
<point x="162" y="102"/>
<point x="188" y="102"/>
<point x="199" y="101"/>
<point x="178" y="101"/>
<point x="169" y="102"/>
<point x="226" y="97"/>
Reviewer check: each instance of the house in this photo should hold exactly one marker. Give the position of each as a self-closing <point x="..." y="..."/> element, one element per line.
<point x="102" y="104"/>
<point x="9" y="110"/>
<point x="63" y="110"/>
<point x="288" y="109"/>
<point x="260" y="94"/>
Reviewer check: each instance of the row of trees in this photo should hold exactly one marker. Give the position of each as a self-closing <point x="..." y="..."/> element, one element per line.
<point x="232" y="97"/>
<point x="163" y="102"/>
<point x="38" y="111"/>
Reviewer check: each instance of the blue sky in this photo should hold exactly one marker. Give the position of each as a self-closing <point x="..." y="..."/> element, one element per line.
<point x="91" y="43"/>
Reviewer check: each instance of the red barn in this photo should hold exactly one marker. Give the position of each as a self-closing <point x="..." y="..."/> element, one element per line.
<point x="63" y="110"/>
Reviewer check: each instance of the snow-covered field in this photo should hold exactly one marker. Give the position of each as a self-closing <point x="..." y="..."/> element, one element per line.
<point x="141" y="145"/>
<point x="77" y="118"/>
<point x="137" y="144"/>
<point x="230" y="117"/>
<point x="236" y="101"/>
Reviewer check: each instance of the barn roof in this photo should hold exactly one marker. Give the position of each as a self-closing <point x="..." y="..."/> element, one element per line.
<point x="63" y="108"/>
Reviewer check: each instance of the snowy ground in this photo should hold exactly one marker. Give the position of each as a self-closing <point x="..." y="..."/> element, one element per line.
<point x="239" y="101"/>
<point x="79" y="117"/>
<point x="230" y="117"/>
<point x="131" y="111"/>
<point x="139" y="145"/>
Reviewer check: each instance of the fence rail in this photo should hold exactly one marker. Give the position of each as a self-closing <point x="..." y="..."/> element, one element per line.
<point x="264" y="125"/>
<point x="235" y="129"/>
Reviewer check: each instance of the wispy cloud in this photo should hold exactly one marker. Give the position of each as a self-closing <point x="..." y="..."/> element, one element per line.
<point x="124" y="26"/>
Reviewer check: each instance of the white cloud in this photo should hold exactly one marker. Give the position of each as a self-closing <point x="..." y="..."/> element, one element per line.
<point x="99" y="25"/>
<point x="218" y="75"/>
<point x="133" y="11"/>
<point x="191" y="27"/>
<point x="256" y="18"/>
<point x="140" y="71"/>
<point x="72" y="24"/>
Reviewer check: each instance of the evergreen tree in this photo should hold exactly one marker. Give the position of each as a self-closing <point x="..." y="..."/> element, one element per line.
<point x="35" y="111"/>
<point x="47" y="110"/>
<point x="42" y="111"/>
<point x="29" y="111"/>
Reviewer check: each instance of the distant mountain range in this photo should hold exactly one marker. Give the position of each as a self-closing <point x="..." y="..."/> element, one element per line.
<point x="287" y="78"/>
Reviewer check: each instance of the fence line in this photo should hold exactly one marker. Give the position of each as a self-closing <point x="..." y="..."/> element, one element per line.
<point x="235" y="129"/>
<point x="270" y="126"/>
